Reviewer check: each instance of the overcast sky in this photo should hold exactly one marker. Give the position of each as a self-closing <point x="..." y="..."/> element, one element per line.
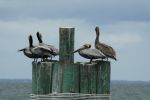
<point x="124" y="25"/>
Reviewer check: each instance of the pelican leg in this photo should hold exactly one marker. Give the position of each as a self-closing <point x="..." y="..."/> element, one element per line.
<point x="50" y="57"/>
<point x="41" y="59"/>
<point x="103" y="59"/>
<point x="46" y="59"/>
<point x="90" y="60"/>
<point x="36" y="60"/>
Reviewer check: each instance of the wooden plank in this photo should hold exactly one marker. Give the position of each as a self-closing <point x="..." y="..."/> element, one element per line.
<point x="104" y="77"/>
<point x="57" y="78"/>
<point x="65" y="78"/>
<point x="92" y="69"/>
<point x="66" y="45"/>
<point x="99" y="90"/>
<point x="83" y="76"/>
<point x="70" y="78"/>
<point x="71" y="96"/>
<point x="34" y="77"/>
<point x="45" y="77"/>
<point x="42" y="77"/>
<point x="88" y="78"/>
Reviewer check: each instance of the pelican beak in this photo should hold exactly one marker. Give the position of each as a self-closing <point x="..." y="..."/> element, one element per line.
<point x="76" y="51"/>
<point x="20" y="50"/>
<point x="79" y="49"/>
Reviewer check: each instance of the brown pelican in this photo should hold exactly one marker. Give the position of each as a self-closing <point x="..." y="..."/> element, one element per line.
<point x="35" y="52"/>
<point x="27" y="52"/>
<point x="91" y="54"/>
<point x="53" y="50"/>
<point x="40" y="51"/>
<point x="108" y="51"/>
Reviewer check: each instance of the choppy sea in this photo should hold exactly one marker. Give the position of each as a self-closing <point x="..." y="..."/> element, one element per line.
<point x="20" y="89"/>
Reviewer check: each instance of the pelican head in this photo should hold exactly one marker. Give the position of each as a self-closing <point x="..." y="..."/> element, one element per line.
<point x="97" y="30"/>
<point x="85" y="46"/>
<point x="30" y="40"/>
<point x="30" y="43"/>
<point x="39" y="36"/>
<point x="30" y="37"/>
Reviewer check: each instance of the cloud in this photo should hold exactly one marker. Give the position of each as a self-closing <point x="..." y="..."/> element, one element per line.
<point x="95" y="11"/>
<point x="121" y="40"/>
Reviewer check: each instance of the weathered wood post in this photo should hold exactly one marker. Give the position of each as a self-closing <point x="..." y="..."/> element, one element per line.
<point x="42" y="77"/>
<point x="95" y="77"/>
<point x="65" y="73"/>
<point x="66" y="45"/>
<point x="104" y="77"/>
<point x="88" y="78"/>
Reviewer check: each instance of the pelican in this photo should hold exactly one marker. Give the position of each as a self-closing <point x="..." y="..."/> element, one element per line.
<point x="108" y="51"/>
<point x="53" y="50"/>
<point x="40" y="51"/>
<point x="88" y="53"/>
<point x="27" y="52"/>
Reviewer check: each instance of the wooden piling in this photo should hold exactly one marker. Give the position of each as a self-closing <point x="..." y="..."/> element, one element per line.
<point x="65" y="76"/>
<point x="42" y="77"/>
<point x="88" y="78"/>
<point x="66" y="45"/>
<point x="34" y="78"/>
<point x="104" y="73"/>
<point x="95" y="77"/>
<point x="65" y="73"/>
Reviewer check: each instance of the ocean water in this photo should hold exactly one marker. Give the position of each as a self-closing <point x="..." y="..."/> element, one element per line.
<point x="128" y="90"/>
<point x="15" y="89"/>
<point x="120" y="90"/>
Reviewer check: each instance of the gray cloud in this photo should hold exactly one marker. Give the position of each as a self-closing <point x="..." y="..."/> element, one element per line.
<point x="96" y="11"/>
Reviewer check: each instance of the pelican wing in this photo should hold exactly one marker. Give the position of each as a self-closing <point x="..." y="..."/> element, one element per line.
<point x="41" y="50"/>
<point x="53" y="50"/>
<point x="107" y="50"/>
<point x="92" y="53"/>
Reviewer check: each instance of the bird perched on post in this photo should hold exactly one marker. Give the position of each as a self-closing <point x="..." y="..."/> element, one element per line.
<point x="53" y="51"/>
<point x="88" y="53"/>
<point x="42" y="52"/>
<point x="36" y="51"/>
<point x="27" y="52"/>
<point x="107" y="50"/>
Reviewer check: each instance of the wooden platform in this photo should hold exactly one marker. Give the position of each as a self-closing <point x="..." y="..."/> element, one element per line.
<point x="51" y="77"/>
<point x="66" y="80"/>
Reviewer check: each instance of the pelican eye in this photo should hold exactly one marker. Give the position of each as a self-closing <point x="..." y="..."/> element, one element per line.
<point x="89" y="46"/>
